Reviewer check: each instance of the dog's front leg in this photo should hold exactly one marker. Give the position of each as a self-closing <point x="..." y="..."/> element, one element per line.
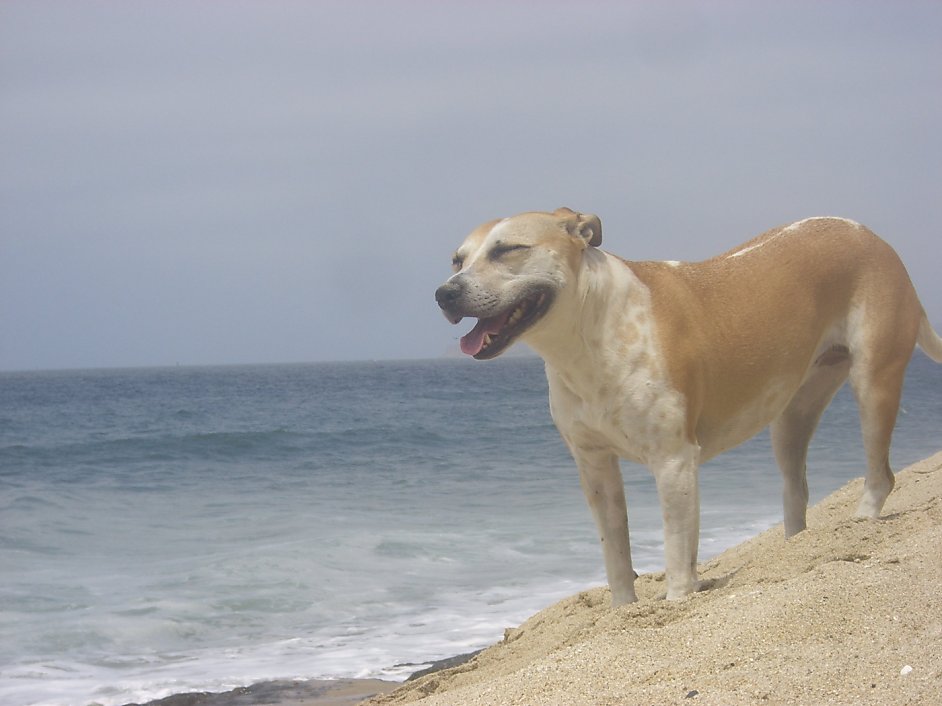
<point x="678" y="490"/>
<point x="601" y="482"/>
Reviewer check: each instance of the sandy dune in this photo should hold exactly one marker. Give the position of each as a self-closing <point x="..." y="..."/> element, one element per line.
<point x="847" y="612"/>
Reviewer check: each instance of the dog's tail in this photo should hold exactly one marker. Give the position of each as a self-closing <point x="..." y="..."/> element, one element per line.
<point x="929" y="340"/>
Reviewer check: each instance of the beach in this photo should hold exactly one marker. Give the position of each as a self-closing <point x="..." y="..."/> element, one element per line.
<point x="198" y="531"/>
<point x="847" y="612"/>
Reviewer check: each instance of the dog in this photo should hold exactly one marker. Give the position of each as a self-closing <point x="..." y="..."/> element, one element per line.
<point x="670" y="363"/>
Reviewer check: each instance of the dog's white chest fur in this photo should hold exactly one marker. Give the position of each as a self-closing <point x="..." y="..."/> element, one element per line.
<point x="639" y="418"/>
<point x="620" y="397"/>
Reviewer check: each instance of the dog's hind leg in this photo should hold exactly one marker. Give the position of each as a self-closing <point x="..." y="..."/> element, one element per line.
<point x="877" y="370"/>
<point x="793" y="428"/>
<point x="878" y="393"/>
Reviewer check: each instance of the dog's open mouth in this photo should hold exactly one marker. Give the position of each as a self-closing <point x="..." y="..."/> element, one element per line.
<point x="492" y="335"/>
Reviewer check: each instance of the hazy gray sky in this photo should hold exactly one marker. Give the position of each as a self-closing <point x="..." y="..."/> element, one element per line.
<point x="234" y="182"/>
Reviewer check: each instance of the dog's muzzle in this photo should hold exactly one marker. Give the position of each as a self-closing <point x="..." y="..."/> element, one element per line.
<point x="496" y="329"/>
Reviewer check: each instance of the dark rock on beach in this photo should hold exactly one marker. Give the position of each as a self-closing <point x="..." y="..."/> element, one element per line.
<point x="314" y="692"/>
<point x="441" y="664"/>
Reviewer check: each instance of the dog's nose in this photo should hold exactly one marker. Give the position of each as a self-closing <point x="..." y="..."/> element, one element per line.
<point x="448" y="294"/>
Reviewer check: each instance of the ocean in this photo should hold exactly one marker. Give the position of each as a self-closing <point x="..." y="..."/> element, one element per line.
<point x="197" y="529"/>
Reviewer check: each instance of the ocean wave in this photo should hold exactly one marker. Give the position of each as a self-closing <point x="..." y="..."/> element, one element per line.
<point x="305" y="447"/>
<point x="129" y="450"/>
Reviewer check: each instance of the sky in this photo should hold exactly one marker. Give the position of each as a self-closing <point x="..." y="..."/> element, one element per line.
<point x="258" y="182"/>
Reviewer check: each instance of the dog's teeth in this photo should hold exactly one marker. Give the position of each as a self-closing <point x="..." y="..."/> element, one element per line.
<point x="487" y="339"/>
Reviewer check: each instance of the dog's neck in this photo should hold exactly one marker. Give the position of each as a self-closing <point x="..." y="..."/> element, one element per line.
<point x="580" y="335"/>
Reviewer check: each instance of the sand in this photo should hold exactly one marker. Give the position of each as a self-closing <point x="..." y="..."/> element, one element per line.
<point x="847" y="612"/>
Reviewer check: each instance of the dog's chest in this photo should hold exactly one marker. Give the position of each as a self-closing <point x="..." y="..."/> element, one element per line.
<point x="637" y="416"/>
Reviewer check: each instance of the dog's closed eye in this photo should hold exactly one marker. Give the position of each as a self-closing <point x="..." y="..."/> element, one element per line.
<point x="502" y="249"/>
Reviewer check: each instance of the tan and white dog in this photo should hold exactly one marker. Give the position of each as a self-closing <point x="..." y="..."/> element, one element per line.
<point x="671" y="363"/>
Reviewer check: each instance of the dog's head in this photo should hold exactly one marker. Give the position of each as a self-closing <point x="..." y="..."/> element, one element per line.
<point x="509" y="273"/>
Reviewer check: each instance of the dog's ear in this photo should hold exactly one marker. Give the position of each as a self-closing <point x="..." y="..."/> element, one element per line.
<point x="581" y="225"/>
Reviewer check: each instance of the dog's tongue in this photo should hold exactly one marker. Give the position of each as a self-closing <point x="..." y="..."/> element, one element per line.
<point x="473" y="341"/>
